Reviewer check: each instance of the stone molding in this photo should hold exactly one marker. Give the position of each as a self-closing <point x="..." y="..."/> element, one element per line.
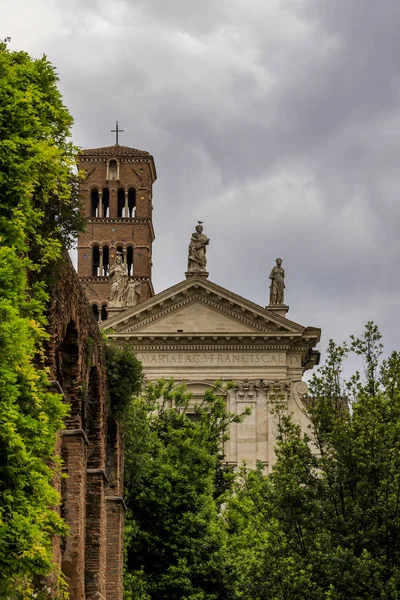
<point x="103" y="159"/>
<point x="259" y="318"/>
<point x="205" y="347"/>
<point x="190" y="274"/>
<point x="300" y="390"/>
<point x="73" y="432"/>
<point x="194" y="296"/>
<point x="98" y="472"/>
<point x="125" y="220"/>
<point x="105" y="278"/>
<point x="117" y="499"/>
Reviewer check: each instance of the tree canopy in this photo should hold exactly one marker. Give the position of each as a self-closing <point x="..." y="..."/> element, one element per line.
<point x="39" y="212"/>
<point x="323" y="525"/>
<point x="175" y="540"/>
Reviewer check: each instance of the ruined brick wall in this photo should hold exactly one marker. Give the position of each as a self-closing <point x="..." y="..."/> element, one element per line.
<point x="91" y="555"/>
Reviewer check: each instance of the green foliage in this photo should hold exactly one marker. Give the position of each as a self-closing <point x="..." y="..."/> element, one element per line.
<point x="39" y="210"/>
<point x="39" y="193"/>
<point x="326" y="524"/>
<point x="124" y="377"/>
<point x="175" y="538"/>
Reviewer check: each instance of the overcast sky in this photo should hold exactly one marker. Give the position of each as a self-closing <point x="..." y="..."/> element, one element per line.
<point x="276" y="122"/>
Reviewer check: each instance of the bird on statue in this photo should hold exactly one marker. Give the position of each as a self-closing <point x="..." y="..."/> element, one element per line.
<point x="200" y="222"/>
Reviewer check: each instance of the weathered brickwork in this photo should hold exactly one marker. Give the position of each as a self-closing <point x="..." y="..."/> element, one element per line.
<point x="117" y="203"/>
<point x="120" y="220"/>
<point x="91" y="448"/>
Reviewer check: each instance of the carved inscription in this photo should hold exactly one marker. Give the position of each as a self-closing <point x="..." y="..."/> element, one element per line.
<point x="212" y="358"/>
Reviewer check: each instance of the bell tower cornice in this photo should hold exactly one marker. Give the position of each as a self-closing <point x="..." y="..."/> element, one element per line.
<point x="124" y="153"/>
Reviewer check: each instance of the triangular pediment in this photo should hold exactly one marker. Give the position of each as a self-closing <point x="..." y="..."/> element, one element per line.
<point x="198" y="306"/>
<point x="195" y="316"/>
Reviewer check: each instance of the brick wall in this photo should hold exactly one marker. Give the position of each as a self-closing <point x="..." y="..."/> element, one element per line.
<point x="90" y="446"/>
<point x="137" y="172"/>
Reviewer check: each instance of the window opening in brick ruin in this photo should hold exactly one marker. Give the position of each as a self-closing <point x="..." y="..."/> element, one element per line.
<point x="129" y="260"/>
<point x="112" y="169"/>
<point x="94" y="203"/>
<point x="112" y="453"/>
<point x="69" y="376"/>
<point x="106" y="202"/>
<point x="104" y="315"/>
<point x="121" y="203"/>
<point x="95" y="310"/>
<point x="131" y="202"/>
<point x="93" y="419"/>
<point x="106" y="261"/>
<point x="95" y="261"/>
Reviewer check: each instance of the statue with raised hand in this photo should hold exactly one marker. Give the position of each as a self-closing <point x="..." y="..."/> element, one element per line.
<point x="197" y="260"/>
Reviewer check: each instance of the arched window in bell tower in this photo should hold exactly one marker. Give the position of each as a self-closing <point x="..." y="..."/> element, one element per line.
<point x="94" y="202"/>
<point x="129" y="260"/>
<point x="106" y="202"/>
<point x="95" y="261"/>
<point x="95" y="310"/>
<point x="121" y="203"/>
<point x="106" y="261"/>
<point x="112" y="169"/>
<point x="131" y="202"/>
<point x="104" y="314"/>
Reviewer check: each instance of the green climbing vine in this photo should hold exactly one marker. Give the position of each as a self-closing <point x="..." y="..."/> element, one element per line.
<point x="39" y="213"/>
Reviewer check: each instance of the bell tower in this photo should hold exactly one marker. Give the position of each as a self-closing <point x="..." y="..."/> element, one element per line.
<point x="117" y="203"/>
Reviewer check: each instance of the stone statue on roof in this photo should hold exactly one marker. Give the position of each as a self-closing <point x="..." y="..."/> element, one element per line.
<point x="277" y="287"/>
<point x="123" y="291"/>
<point x="197" y="260"/>
<point x="118" y="278"/>
<point x="132" y="292"/>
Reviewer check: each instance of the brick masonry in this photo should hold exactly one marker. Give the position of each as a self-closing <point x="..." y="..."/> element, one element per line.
<point x="90" y="557"/>
<point x="135" y="170"/>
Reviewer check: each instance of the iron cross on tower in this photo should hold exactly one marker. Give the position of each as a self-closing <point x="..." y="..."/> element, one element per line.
<point x="116" y="131"/>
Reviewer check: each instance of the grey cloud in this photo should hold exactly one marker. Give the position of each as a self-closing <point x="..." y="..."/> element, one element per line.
<point x="275" y="123"/>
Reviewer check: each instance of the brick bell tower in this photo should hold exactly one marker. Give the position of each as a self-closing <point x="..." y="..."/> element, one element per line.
<point x="117" y="203"/>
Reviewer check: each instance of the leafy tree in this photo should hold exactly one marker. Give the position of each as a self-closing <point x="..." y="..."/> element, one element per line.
<point x="124" y="377"/>
<point x="39" y="212"/>
<point x="175" y="539"/>
<point x="325" y="524"/>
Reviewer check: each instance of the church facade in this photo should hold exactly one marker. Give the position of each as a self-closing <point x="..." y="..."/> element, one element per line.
<point x="196" y="332"/>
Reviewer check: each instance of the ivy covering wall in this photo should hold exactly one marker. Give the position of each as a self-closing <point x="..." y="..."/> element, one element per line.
<point x="39" y="212"/>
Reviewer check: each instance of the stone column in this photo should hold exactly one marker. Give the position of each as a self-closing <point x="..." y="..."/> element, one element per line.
<point x="100" y="204"/>
<point x="74" y="455"/>
<point x="101" y="262"/>
<point x="126" y="205"/>
<point x="262" y="426"/>
<point x="124" y="252"/>
<point x="247" y="430"/>
<point x="230" y="448"/>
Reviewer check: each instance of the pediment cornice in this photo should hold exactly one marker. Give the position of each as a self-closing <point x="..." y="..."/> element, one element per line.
<point x="260" y="321"/>
<point x="231" y="310"/>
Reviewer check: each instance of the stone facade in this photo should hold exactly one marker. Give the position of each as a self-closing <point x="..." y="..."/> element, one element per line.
<point x="198" y="332"/>
<point x="117" y="202"/>
<point x="90" y="557"/>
